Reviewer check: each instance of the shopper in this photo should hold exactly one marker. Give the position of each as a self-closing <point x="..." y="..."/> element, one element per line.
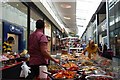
<point x="83" y="45"/>
<point x="100" y="46"/>
<point x="38" y="50"/>
<point x="92" y="49"/>
<point x="7" y="45"/>
<point x="106" y="53"/>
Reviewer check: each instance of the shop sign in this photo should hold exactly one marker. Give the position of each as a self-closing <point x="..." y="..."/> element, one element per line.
<point x="15" y="29"/>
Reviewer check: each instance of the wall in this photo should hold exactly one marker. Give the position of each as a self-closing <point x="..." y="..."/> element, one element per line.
<point x="0" y="37"/>
<point x="16" y="13"/>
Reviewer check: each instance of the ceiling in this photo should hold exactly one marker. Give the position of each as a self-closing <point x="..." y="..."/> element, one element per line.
<point x="75" y="14"/>
<point x="67" y="14"/>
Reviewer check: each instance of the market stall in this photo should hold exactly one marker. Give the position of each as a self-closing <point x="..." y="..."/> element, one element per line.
<point x="82" y="68"/>
<point x="11" y="64"/>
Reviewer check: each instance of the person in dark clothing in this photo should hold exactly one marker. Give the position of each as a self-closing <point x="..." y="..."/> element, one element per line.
<point x="104" y="48"/>
<point x="105" y="53"/>
<point x="83" y="45"/>
<point x="100" y="46"/>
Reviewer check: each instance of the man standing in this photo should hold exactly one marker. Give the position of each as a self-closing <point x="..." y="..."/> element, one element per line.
<point x="38" y="49"/>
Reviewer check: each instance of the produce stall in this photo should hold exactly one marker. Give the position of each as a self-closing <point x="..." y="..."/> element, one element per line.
<point x="11" y="64"/>
<point x="82" y="68"/>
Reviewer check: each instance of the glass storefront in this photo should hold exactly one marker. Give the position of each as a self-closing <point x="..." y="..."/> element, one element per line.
<point x="15" y="14"/>
<point x="114" y="22"/>
<point x="47" y="32"/>
<point x="56" y="35"/>
<point x="53" y="46"/>
<point x="34" y="16"/>
<point x="58" y="42"/>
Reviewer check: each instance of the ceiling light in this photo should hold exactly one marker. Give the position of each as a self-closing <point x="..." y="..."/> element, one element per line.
<point x="67" y="18"/>
<point x="65" y="6"/>
<point x="79" y="25"/>
<point x="81" y="18"/>
<point x="17" y="5"/>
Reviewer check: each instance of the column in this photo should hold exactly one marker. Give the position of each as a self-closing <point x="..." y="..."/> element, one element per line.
<point x="107" y="24"/>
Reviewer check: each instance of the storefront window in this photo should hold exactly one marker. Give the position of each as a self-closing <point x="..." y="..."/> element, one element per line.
<point x="47" y="32"/>
<point x="34" y="16"/>
<point x="15" y="14"/>
<point x="53" y="40"/>
<point x="58" y="50"/>
<point x="56" y="43"/>
<point x="114" y="18"/>
<point x="47" y="28"/>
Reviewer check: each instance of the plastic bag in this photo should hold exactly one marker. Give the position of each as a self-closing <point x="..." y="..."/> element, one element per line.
<point x="25" y="70"/>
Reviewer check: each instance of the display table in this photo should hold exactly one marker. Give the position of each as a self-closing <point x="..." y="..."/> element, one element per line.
<point x="11" y="72"/>
<point x="84" y="67"/>
<point x="10" y="69"/>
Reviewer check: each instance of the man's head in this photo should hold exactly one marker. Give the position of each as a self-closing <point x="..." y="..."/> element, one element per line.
<point x="40" y="24"/>
<point x="11" y="40"/>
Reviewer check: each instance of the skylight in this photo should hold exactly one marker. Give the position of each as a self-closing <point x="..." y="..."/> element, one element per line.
<point x="84" y="11"/>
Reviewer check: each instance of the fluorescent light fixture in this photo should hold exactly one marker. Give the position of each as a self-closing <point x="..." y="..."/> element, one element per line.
<point x="80" y="18"/>
<point x="65" y="6"/>
<point x="17" y="5"/>
<point x="79" y="25"/>
<point x="67" y="18"/>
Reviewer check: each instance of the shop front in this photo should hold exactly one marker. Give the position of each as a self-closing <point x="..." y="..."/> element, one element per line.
<point x="13" y="24"/>
<point x="17" y="33"/>
<point x="47" y="32"/>
<point x="114" y="25"/>
<point x="19" y="24"/>
<point x="102" y="31"/>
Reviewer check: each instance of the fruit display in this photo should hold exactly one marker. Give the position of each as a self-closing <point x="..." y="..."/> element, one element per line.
<point x="87" y="63"/>
<point x="89" y="68"/>
<point x="83" y="66"/>
<point x="70" y="66"/>
<point x="11" y="56"/>
<point x="53" y="67"/>
<point x="3" y="58"/>
<point x="64" y="74"/>
<point x="69" y="57"/>
<point x="103" y="78"/>
<point x="105" y="62"/>
<point x="99" y="77"/>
